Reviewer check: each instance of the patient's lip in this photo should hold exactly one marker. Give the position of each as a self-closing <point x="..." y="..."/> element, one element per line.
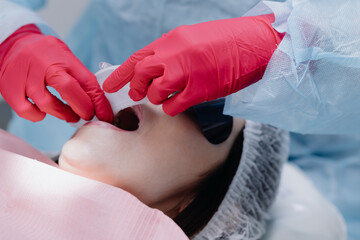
<point x="103" y="125"/>
<point x="139" y="113"/>
<point x="137" y="110"/>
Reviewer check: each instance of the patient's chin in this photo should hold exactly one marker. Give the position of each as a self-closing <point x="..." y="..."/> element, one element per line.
<point x="74" y="156"/>
<point x="95" y="173"/>
<point x="66" y="163"/>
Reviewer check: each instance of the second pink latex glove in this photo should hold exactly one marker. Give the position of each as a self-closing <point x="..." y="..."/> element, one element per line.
<point x="197" y="63"/>
<point x="30" y="62"/>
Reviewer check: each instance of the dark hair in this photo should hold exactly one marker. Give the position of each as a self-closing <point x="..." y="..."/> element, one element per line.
<point x="211" y="192"/>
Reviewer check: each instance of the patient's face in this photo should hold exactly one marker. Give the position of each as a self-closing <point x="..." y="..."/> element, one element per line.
<point x="161" y="162"/>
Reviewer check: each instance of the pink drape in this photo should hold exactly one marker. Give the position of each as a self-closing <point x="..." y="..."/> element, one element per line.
<point x="41" y="201"/>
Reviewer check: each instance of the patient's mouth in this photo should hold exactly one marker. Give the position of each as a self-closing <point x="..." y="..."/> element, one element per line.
<point x="127" y="119"/>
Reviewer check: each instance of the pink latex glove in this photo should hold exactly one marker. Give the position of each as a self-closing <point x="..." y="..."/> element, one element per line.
<point x="200" y="62"/>
<point x="30" y="61"/>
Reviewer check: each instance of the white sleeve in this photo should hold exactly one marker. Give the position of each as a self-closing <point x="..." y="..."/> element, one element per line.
<point x="14" y="16"/>
<point x="300" y="212"/>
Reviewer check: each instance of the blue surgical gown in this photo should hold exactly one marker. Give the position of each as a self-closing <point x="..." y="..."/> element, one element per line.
<point x="311" y="86"/>
<point x="319" y="49"/>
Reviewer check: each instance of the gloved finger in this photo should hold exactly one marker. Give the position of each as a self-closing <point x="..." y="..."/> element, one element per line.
<point x="28" y="111"/>
<point x="102" y="107"/>
<point x="136" y="95"/>
<point x="180" y="102"/>
<point x="71" y="92"/>
<point x="48" y="103"/>
<point x="163" y="87"/>
<point x="23" y="107"/>
<point x="90" y="85"/>
<point x="15" y="94"/>
<point x="36" y="90"/>
<point x="125" y="72"/>
<point x="144" y="73"/>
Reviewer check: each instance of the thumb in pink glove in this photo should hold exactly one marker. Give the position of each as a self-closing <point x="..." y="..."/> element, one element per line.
<point x="30" y="62"/>
<point x="200" y="62"/>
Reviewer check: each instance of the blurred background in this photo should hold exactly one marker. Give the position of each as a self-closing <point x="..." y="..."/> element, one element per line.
<point x="71" y="10"/>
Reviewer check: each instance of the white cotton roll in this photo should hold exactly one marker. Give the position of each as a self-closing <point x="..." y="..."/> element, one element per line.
<point x="118" y="100"/>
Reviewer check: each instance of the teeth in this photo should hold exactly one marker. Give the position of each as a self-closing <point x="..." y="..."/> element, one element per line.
<point x="126" y="119"/>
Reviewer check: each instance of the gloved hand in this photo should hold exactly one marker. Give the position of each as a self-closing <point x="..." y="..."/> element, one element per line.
<point x="30" y="61"/>
<point x="198" y="63"/>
